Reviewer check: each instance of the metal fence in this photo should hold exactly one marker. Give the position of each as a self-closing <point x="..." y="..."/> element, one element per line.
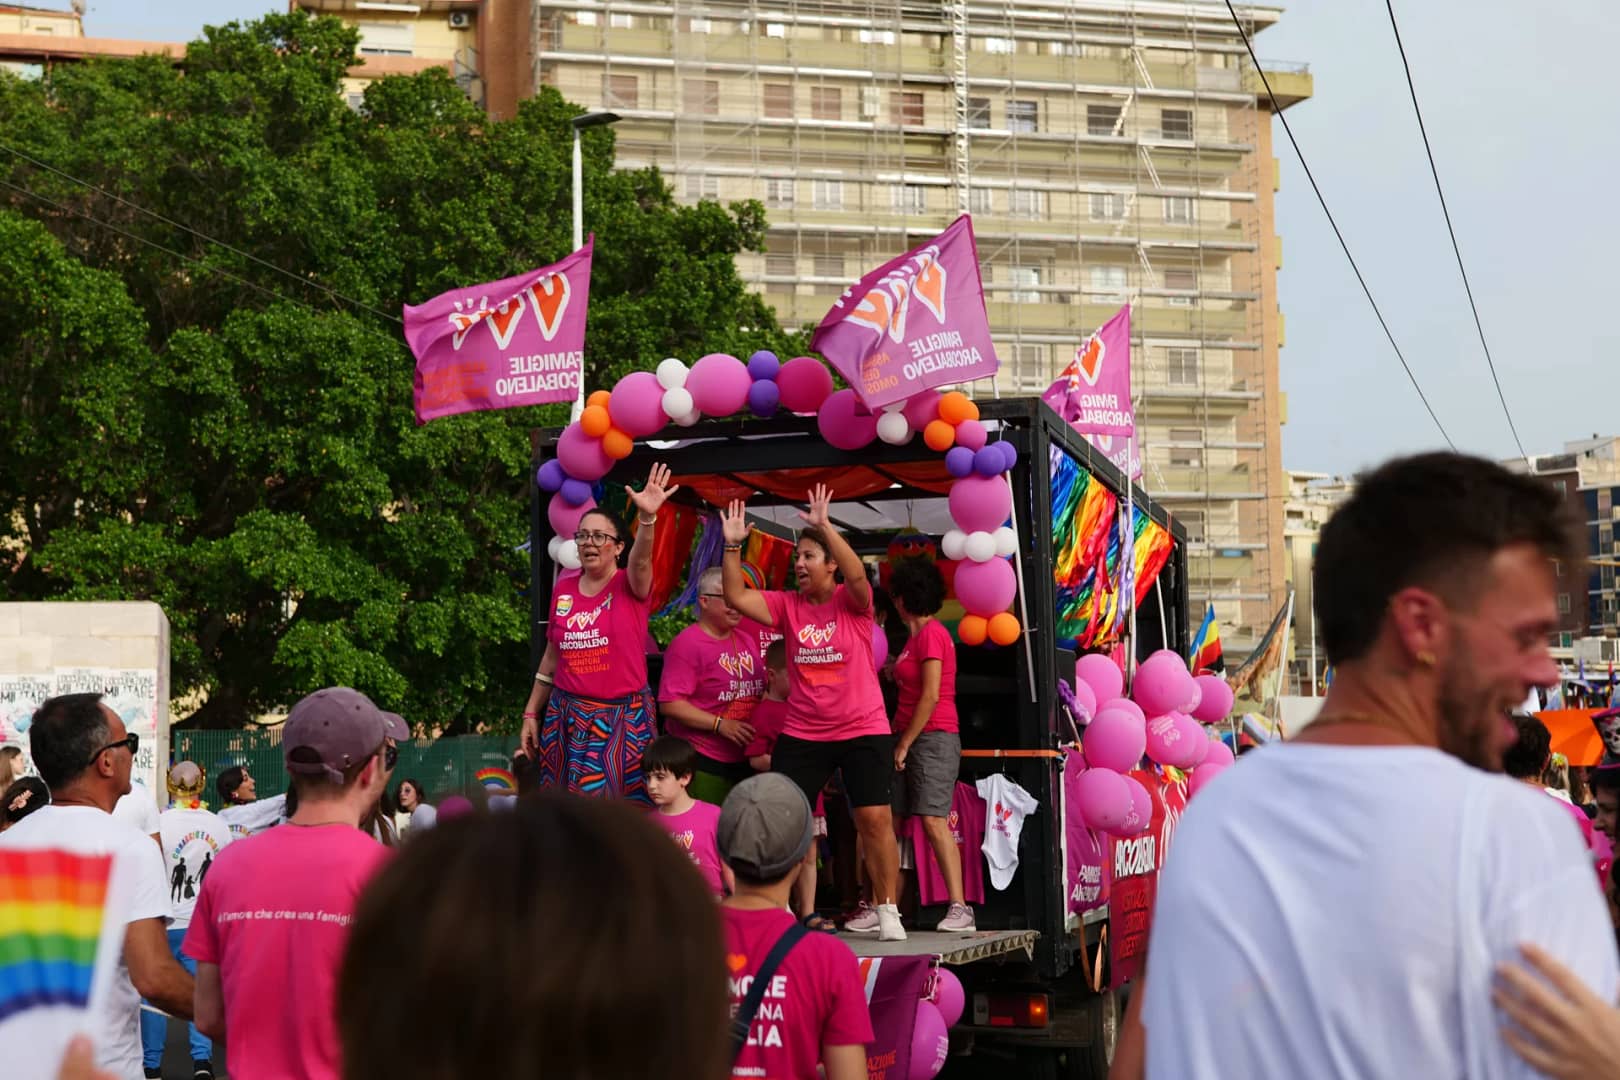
<point x="443" y="766"/>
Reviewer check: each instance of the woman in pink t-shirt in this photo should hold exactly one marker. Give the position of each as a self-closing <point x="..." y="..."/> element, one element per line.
<point x="591" y="688"/>
<point x="835" y="715"/>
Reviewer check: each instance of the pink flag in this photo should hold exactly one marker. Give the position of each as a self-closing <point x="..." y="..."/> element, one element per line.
<point x="518" y="341"/>
<point x="1094" y="391"/>
<point x="914" y="322"/>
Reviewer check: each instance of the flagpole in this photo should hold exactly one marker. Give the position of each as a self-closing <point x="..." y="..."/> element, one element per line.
<point x="1128" y="575"/>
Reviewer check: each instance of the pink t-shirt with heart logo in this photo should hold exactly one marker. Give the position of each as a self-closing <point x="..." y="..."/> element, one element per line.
<point x="833" y="688"/>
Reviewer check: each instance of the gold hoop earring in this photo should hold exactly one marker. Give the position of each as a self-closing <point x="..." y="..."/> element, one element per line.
<point x="1425" y="657"/>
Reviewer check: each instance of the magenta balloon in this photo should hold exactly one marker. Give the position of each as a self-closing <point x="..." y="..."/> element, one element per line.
<point x="930" y="1042"/>
<point x="949" y="997"/>
<point x="1203" y="775"/>
<point x="718" y="384"/>
<point x="1219" y="754"/>
<point x="920" y="408"/>
<point x="636" y="405"/>
<point x="1102" y="675"/>
<point x="582" y="457"/>
<point x="1194" y="733"/>
<point x="564" y="518"/>
<point x="880" y="645"/>
<point x="979" y="503"/>
<point x="1114" y="740"/>
<point x="1216" y="703"/>
<point x="1086" y="698"/>
<point x="1104" y="799"/>
<point x="1169" y="741"/>
<point x="805" y="383"/>
<point x="1140" y="817"/>
<point x="985" y="588"/>
<point x="971" y="434"/>
<point x="1162" y="684"/>
<point x="845" y="422"/>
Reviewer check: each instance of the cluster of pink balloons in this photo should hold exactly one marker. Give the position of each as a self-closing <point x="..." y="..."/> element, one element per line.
<point x="1162" y="719"/>
<point x="940" y="1008"/>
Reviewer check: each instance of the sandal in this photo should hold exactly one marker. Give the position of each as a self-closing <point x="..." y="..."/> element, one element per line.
<point x="819" y="923"/>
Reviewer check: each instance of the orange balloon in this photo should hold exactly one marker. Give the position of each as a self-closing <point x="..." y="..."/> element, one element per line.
<point x="1004" y="628"/>
<point x="599" y="398"/>
<point x="939" y="435"/>
<point x="617" y="445"/>
<point x="972" y="629"/>
<point x="594" y="421"/>
<point x="956" y="407"/>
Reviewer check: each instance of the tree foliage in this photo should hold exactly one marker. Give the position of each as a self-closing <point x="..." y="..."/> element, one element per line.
<point x="193" y="427"/>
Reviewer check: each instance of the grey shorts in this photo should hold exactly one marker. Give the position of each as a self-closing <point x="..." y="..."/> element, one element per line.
<point x="926" y="786"/>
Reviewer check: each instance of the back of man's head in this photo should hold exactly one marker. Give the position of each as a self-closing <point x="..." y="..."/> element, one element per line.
<point x="65" y="734"/>
<point x="1527" y="757"/>
<point x="1433" y="521"/>
<point x="329" y="739"/>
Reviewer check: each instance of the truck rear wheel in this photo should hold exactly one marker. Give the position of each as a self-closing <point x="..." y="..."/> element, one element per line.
<point x="1088" y="1060"/>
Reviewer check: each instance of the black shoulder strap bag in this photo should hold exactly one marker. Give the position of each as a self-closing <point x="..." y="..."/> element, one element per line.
<point x="762" y="981"/>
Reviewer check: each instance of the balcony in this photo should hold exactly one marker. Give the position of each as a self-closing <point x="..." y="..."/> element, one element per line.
<point x="1290" y="82"/>
<point x="1219" y="565"/>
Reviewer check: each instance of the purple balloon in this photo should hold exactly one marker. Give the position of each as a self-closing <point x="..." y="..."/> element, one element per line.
<point x="574" y="492"/>
<point x="1114" y="740"/>
<point x="1008" y="451"/>
<point x="958" y="462"/>
<point x="763" y="366"/>
<point x="551" y="476"/>
<point x="764" y="398"/>
<point x="1104" y="799"/>
<point x="988" y="462"/>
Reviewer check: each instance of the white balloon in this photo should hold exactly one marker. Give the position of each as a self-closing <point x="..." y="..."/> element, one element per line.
<point x="980" y="546"/>
<point x="895" y="406"/>
<point x="1006" y="542"/>
<point x="894" y="429"/>
<point x="671" y="374"/>
<point x="568" y="555"/>
<point x="677" y="401"/>
<point x="551" y="547"/>
<point x="689" y="419"/>
<point x="953" y="544"/>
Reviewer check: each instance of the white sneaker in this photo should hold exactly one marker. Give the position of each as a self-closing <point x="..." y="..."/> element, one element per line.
<point x="889" y="928"/>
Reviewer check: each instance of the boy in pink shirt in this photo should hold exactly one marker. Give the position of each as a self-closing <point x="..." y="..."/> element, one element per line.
<point x="667" y="765"/>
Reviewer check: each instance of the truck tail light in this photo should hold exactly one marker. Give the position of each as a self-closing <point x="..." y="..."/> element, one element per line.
<point x="1010" y="1010"/>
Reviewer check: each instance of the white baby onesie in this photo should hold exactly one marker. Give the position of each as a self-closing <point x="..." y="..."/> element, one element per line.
<point x="1005" y="804"/>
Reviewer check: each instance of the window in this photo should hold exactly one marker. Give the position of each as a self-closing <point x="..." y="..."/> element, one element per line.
<point x="1108" y="284"/>
<point x="978" y="112"/>
<point x="1603" y="500"/>
<point x="1181" y="366"/>
<point x="779" y="266"/>
<point x="779" y="100"/>
<point x="909" y="198"/>
<point x="1023" y="116"/>
<point x="774" y="30"/>
<point x="1027" y="280"/>
<point x="826" y="103"/>
<point x="780" y="192"/>
<point x="387" y="38"/>
<point x="702" y="186"/>
<point x="1107" y="206"/>
<point x="1187" y="448"/>
<point x="1560" y="487"/>
<point x="905" y="107"/>
<point x="1193" y="522"/>
<point x="622" y="21"/>
<point x="1183" y="279"/>
<point x="701" y="96"/>
<point x="585" y="18"/>
<point x="875" y="37"/>
<point x="621" y="91"/>
<point x="1176" y="124"/>
<point x="1563" y="603"/>
<point x="999" y="46"/>
<point x="355" y="102"/>
<point x="830" y="266"/>
<point x="827" y="194"/>
<point x="1029" y="363"/>
<point x="1024" y="203"/>
<point x="694" y="25"/>
<point x="1102" y="119"/>
<point x="979" y="200"/>
<point x="1178" y="209"/>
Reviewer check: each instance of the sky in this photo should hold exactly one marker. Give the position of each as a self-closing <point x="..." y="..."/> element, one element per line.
<point x="1519" y="110"/>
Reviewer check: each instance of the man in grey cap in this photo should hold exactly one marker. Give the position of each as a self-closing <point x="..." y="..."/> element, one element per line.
<point x="274" y="913"/>
<point x="813" y="1008"/>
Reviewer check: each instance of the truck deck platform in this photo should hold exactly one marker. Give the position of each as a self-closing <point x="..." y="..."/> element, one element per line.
<point x="951" y="948"/>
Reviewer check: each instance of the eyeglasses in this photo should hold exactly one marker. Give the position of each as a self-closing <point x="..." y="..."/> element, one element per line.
<point x="595" y="539"/>
<point x="713" y="595"/>
<point x="132" y="740"/>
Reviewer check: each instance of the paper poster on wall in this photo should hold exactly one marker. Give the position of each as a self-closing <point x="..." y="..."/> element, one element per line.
<point x="20" y="695"/>
<point x="132" y="693"/>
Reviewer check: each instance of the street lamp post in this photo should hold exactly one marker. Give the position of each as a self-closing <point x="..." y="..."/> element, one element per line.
<point x="590" y="119"/>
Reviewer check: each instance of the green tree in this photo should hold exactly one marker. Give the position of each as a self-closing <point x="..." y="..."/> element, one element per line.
<point x="186" y="424"/>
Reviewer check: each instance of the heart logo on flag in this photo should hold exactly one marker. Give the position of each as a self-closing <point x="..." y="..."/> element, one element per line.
<point x="503" y="320"/>
<point x="736" y="962"/>
<point x="1090" y="358"/>
<point x="550" y="298"/>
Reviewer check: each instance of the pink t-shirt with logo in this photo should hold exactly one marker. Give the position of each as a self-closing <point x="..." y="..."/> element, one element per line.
<point x="815" y="998"/>
<point x="762" y="633"/>
<point x="932" y="642"/>
<point x="769" y="718"/>
<point x="966" y="823"/>
<point x="694" y="832"/>
<point x="833" y="688"/>
<point x="600" y="640"/>
<point x="721" y="676"/>
<point x="274" y="914"/>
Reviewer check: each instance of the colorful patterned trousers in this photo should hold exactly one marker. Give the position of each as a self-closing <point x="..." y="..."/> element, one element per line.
<point x="594" y="747"/>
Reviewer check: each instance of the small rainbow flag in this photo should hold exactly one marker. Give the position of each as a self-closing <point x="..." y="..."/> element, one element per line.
<point x="497" y="779"/>
<point x="52" y="905"/>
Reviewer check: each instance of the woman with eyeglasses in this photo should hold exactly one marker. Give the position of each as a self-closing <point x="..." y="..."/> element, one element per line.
<point x="590" y="713"/>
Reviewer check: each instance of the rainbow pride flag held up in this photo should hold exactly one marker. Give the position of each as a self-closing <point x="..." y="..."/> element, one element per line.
<point x="499" y="781"/>
<point x="52" y="904"/>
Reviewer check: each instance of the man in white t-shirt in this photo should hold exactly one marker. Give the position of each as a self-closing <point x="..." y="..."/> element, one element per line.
<point x="1336" y="906"/>
<point x="139" y="809"/>
<point x="84" y="754"/>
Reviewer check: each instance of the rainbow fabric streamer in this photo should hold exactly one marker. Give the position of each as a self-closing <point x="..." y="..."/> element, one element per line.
<point x="1086" y="521"/>
<point x="497" y="780"/>
<point x="51" y="909"/>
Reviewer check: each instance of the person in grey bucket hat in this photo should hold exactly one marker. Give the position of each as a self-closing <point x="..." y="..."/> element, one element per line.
<point x="765" y="828"/>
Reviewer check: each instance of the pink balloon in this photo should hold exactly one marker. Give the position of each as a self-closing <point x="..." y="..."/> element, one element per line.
<point x="582" y="457"/>
<point x="1162" y="684"/>
<point x="1086" y="699"/>
<point x="880" y="645"/>
<point x="1219" y="754"/>
<point x="949" y="997"/>
<point x="455" y="806"/>
<point x="978" y="503"/>
<point x="719" y="384"/>
<point x="1114" y="740"/>
<point x="985" y="588"/>
<point x="805" y="383"/>
<point x="921" y="408"/>
<point x="1102" y="675"/>
<point x="1171" y="742"/>
<point x="564" y="518"/>
<point x="930" y="1042"/>
<point x="636" y="405"/>
<point x="1195" y="734"/>
<point x="1124" y="704"/>
<point x="971" y="434"/>
<point x="1104" y="799"/>
<point x="1216" y="703"/>
<point x="845" y="422"/>
<point x="1203" y="775"/>
<point x="1140" y="817"/>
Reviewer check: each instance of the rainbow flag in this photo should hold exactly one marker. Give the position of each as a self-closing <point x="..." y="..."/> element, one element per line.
<point x="52" y="904"/>
<point x="1206" y="657"/>
<point x="497" y="780"/>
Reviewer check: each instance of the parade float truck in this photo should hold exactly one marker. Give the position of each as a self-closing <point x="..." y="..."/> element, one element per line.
<point x="1043" y="976"/>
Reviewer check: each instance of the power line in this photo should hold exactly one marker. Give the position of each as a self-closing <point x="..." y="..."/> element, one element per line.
<point x="1455" y="250"/>
<point x="1277" y="109"/>
<point x="194" y="232"/>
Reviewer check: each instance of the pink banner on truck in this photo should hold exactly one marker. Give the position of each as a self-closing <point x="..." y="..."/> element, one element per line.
<point x="1085" y="879"/>
<point x="894" y="985"/>
<point x="1135" y="878"/>
<point x="916" y="321"/>
<point x="517" y="341"/>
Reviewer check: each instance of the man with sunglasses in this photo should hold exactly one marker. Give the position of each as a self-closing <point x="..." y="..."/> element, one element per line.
<point x="84" y="755"/>
<point x="273" y="916"/>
